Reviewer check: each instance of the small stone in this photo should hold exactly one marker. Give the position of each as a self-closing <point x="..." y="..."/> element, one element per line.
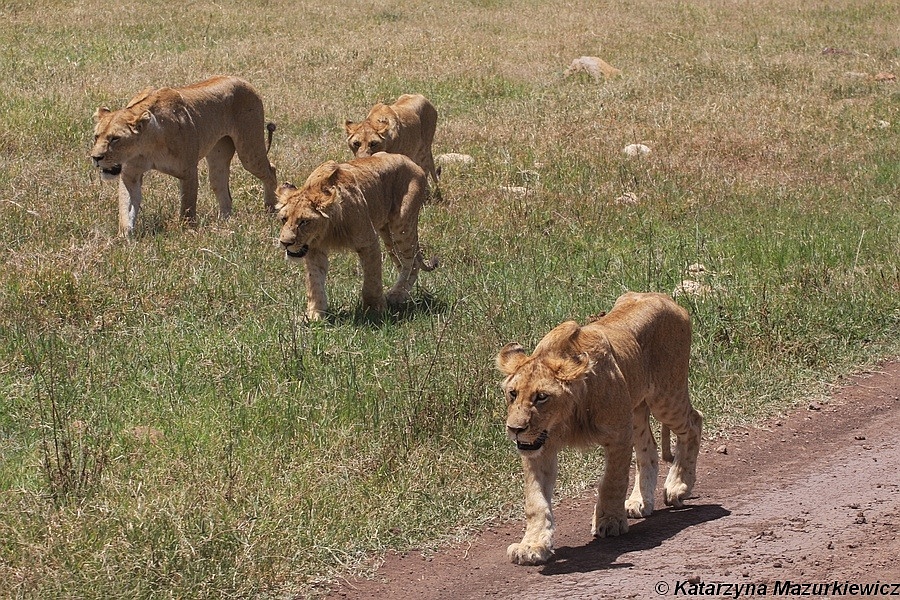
<point x="636" y="150"/>
<point x="514" y="190"/>
<point x="593" y="66"/>
<point x="627" y="199"/>
<point x="723" y="449"/>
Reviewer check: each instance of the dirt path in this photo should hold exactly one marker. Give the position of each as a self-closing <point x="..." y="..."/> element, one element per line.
<point x="813" y="498"/>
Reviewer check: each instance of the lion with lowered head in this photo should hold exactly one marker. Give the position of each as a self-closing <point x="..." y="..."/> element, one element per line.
<point x="404" y="127"/>
<point x="171" y="129"/>
<point x="349" y="206"/>
<point x="598" y="384"/>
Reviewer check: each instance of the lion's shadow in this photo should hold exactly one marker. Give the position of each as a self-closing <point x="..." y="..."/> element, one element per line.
<point x="602" y="553"/>
<point x="422" y="303"/>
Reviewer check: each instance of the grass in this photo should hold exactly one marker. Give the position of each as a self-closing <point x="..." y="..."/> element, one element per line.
<point x="172" y="427"/>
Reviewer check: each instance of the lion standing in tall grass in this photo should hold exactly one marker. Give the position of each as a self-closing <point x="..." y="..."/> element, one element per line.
<point x="349" y="206"/>
<point x="405" y="127"/>
<point x="171" y="129"/>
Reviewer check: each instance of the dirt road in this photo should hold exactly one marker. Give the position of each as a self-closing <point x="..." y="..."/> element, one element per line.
<point x="805" y="506"/>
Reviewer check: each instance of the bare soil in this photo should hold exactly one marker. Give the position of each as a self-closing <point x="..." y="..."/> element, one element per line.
<point x="812" y="498"/>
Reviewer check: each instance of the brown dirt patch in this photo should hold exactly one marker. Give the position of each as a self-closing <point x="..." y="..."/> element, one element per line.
<point x="811" y="498"/>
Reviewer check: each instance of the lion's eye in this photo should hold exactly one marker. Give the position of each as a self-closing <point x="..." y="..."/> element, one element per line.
<point x="513" y="394"/>
<point x="356" y="145"/>
<point x="540" y="397"/>
<point x="284" y="219"/>
<point x="113" y="139"/>
<point x="303" y="223"/>
<point x="373" y="144"/>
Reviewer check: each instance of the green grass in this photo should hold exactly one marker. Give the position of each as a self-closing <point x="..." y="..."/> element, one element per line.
<point x="171" y="426"/>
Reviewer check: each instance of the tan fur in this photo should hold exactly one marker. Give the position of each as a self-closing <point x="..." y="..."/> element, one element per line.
<point x="405" y="127"/>
<point x="597" y="385"/>
<point x="171" y="129"/>
<point x="348" y="206"/>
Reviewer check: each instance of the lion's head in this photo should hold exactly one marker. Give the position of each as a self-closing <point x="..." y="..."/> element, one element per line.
<point x="375" y="134"/>
<point x="117" y="135"/>
<point x="306" y="213"/>
<point x="539" y="388"/>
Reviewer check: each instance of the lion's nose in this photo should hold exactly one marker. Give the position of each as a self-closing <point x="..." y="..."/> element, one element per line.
<point x="514" y="430"/>
<point x="286" y="243"/>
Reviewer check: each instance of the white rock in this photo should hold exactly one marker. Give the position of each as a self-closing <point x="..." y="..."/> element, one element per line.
<point x="454" y="158"/>
<point x="515" y="190"/>
<point x="636" y="150"/>
<point x="689" y="287"/>
<point x="628" y="199"/>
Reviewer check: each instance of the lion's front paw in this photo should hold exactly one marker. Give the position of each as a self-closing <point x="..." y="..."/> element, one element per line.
<point x="636" y="508"/>
<point x="676" y="494"/>
<point x="609" y="526"/>
<point x="314" y="314"/>
<point x="529" y="554"/>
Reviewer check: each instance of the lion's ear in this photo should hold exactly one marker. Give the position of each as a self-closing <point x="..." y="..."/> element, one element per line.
<point x="331" y="174"/>
<point x="137" y="125"/>
<point x="349" y="127"/>
<point x="100" y="113"/>
<point x="570" y="368"/>
<point x="382" y="125"/>
<point x="510" y="358"/>
<point x="285" y="188"/>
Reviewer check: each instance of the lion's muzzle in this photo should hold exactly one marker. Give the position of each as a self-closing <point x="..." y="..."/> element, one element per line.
<point x="110" y="172"/>
<point x="532" y="446"/>
<point x="296" y="253"/>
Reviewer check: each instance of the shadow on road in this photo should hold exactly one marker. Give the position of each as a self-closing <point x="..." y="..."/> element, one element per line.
<point x="648" y="533"/>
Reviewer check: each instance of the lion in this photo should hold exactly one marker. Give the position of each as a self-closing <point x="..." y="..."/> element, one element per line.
<point x="348" y="206"/>
<point x="598" y="384"/>
<point x="404" y="127"/>
<point x="171" y="129"/>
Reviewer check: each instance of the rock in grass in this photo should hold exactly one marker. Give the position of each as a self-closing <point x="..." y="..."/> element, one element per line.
<point x="454" y="158"/>
<point x="636" y="150"/>
<point x="593" y="66"/>
<point x="627" y="199"/>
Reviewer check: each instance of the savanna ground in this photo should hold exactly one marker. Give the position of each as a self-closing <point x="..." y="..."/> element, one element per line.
<point x="803" y="505"/>
<point x="170" y="425"/>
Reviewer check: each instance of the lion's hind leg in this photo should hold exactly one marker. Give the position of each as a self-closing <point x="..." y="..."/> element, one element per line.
<point x="254" y="159"/>
<point x="683" y="472"/>
<point x="640" y="503"/>
<point x="219" y="162"/>
<point x="402" y="243"/>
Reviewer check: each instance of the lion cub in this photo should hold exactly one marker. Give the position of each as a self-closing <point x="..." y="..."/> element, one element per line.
<point x="598" y="385"/>
<point x="348" y="206"/>
<point x="404" y="127"/>
<point x="171" y="129"/>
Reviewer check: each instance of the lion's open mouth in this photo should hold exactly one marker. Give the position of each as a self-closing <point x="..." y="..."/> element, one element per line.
<point x="532" y="446"/>
<point x="299" y="253"/>
<point x="112" y="171"/>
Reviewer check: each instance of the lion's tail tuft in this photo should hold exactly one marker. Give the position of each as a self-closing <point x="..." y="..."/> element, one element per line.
<point x="270" y="127"/>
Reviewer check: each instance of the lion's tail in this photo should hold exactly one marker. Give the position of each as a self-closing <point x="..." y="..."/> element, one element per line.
<point x="430" y="265"/>
<point x="270" y="127"/>
<point x="666" y="443"/>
